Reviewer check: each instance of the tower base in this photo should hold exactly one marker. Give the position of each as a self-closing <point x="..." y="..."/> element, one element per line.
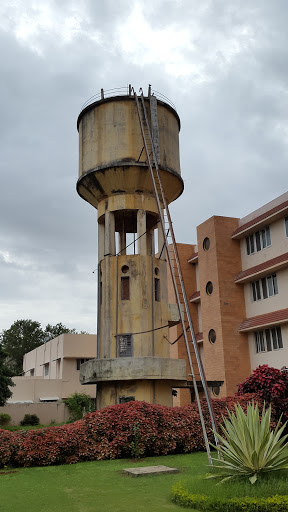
<point x="119" y="380"/>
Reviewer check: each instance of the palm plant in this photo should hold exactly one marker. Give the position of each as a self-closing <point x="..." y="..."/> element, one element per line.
<point x="248" y="446"/>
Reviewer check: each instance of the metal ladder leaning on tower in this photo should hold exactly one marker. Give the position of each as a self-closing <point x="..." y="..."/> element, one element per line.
<point x="151" y="145"/>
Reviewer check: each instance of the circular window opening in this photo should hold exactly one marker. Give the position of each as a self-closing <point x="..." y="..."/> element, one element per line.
<point x="216" y="390"/>
<point x="156" y="271"/>
<point x="212" y="336"/>
<point x="209" y="288"/>
<point x="206" y="243"/>
<point x="125" y="269"/>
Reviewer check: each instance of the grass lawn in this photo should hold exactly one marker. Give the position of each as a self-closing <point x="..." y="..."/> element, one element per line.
<point x="97" y="486"/>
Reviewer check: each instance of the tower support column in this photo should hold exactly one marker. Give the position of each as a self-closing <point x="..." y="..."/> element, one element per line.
<point x="109" y="239"/>
<point x="141" y="232"/>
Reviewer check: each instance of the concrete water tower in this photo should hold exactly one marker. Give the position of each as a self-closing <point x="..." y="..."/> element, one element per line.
<point x="133" y="312"/>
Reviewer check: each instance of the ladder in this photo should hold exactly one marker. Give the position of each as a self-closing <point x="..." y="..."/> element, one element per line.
<point x="152" y="153"/>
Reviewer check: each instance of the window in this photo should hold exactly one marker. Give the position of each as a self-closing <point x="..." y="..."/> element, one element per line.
<point x="157" y="289"/>
<point x="206" y="244"/>
<point x="124" y="399"/>
<point x="264" y="288"/>
<point x="212" y="336"/>
<point x="46" y="369"/>
<point x="286" y="226"/>
<point x="209" y="288"/>
<point x="268" y="339"/>
<point x="258" y="240"/>
<point x="125" y="288"/>
<point x="215" y="390"/>
<point x="125" y="345"/>
<point x="32" y="372"/>
<point x="81" y="361"/>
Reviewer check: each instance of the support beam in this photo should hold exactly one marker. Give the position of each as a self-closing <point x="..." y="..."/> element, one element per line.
<point x="141" y="232"/>
<point x="109" y="240"/>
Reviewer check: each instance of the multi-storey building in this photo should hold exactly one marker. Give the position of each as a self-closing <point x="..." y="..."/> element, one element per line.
<point x="237" y="280"/>
<point x="51" y="374"/>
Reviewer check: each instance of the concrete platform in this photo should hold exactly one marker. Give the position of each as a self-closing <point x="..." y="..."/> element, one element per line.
<point x="149" y="470"/>
<point x="134" y="368"/>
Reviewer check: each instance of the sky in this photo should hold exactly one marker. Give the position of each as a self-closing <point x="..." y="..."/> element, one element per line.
<point x="223" y="63"/>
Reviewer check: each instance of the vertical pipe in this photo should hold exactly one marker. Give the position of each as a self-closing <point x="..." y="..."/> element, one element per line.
<point x="152" y="305"/>
<point x="98" y="309"/>
<point x="116" y="328"/>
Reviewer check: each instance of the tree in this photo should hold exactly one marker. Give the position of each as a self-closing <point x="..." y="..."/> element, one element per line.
<point x="25" y="335"/>
<point x="79" y="404"/>
<point x="52" y="331"/>
<point x="21" y="337"/>
<point x="5" y="379"/>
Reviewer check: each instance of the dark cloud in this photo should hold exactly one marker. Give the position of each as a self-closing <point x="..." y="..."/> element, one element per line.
<point x="233" y="109"/>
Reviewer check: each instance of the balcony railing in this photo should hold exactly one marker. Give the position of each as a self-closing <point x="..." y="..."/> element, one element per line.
<point x="127" y="90"/>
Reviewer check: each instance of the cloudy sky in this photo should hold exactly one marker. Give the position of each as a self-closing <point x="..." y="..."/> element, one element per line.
<point x="223" y="63"/>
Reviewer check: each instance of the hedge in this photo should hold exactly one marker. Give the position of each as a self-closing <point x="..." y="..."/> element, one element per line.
<point x="200" y="502"/>
<point x="110" y="433"/>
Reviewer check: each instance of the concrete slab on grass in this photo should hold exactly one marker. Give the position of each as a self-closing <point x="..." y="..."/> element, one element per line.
<point x="149" y="470"/>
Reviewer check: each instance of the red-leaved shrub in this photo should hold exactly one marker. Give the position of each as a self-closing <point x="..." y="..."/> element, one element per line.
<point x="110" y="433"/>
<point x="270" y="385"/>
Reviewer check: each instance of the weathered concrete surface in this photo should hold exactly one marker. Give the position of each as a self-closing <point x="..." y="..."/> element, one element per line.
<point x="149" y="470"/>
<point x="174" y="317"/>
<point x="132" y="368"/>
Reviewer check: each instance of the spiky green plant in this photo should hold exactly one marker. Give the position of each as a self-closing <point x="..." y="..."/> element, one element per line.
<point x="248" y="446"/>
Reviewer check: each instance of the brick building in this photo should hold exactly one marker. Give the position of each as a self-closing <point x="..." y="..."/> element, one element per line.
<point x="237" y="280"/>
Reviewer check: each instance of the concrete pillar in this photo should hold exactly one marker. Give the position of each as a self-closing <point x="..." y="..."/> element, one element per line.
<point x="109" y="238"/>
<point x="150" y="243"/>
<point x="101" y="231"/>
<point x="122" y="243"/>
<point x="141" y="229"/>
<point x="161" y="243"/>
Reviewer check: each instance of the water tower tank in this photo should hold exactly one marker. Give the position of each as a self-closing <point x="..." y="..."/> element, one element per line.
<point x="133" y="311"/>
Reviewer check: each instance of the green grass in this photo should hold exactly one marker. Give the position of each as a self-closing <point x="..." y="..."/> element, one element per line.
<point x="96" y="486"/>
<point x="100" y="486"/>
<point x="267" y="485"/>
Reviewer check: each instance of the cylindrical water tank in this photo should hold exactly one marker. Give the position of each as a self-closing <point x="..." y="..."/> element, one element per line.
<point x="111" y="155"/>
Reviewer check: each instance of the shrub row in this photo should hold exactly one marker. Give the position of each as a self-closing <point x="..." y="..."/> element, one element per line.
<point x="200" y="502"/>
<point x="271" y="385"/>
<point x="110" y="433"/>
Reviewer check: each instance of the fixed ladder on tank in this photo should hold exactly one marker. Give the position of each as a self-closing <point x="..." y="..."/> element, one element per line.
<point x="151" y="145"/>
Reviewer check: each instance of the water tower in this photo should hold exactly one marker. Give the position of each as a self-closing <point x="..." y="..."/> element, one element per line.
<point x="133" y="312"/>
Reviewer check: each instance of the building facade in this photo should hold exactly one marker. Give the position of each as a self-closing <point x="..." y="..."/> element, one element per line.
<point x="51" y="374"/>
<point x="237" y="280"/>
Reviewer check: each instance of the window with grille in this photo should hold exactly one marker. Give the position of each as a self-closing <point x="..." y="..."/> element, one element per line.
<point x="264" y="288"/>
<point x="258" y="240"/>
<point x="268" y="339"/>
<point x="124" y="399"/>
<point x="125" y="345"/>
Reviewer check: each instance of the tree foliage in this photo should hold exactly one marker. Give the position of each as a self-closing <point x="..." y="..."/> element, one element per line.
<point x="5" y="379"/>
<point x="52" y="331"/>
<point x="25" y="335"/>
<point x="79" y="404"/>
